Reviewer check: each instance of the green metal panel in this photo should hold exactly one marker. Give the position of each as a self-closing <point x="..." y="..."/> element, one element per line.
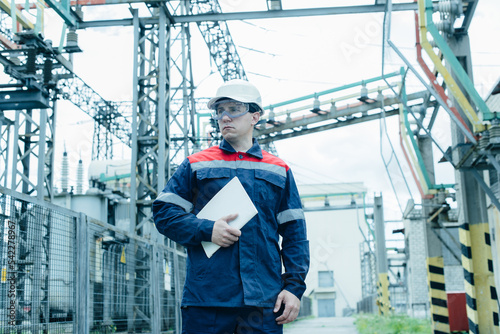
<point x="63" y="10"/>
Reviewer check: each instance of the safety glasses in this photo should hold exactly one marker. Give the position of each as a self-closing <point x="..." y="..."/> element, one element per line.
<point x="232" y="109"/>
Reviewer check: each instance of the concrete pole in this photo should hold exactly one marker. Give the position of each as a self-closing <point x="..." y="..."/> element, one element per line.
<point x="383" y="301"/>
<point x="434" y="260"/>
<point x="482" y="304"/>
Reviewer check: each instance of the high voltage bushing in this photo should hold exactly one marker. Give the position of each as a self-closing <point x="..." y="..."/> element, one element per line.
<point x="71" y="38"/>
<point x="72" y="41"/>
<point x="445" y="26"/>
<point x="495" y="134"/>
<point x="484" y="140"/>
<point x="47" y="70"/>
<point x="452" y="7"/>
<point x="449" y="11"/>
<point x="31" y="61"/>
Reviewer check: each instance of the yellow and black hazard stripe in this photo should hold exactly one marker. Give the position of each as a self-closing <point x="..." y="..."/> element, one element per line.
<point x="481" y="296"/>
<point x="383" y="302"/>
<point x="470" y="292"/>
<point x="437" y="295"/>
<point x="470" y="289"/>
<point x="491" y="283"/>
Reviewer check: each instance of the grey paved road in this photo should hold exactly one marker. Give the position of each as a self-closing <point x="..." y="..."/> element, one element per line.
<point x="322" y="326"/>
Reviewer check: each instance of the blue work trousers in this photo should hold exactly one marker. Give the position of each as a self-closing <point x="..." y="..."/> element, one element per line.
<point x="229" y="320"/>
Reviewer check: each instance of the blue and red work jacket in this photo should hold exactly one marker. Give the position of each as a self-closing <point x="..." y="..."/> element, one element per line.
<point x="249" y="272"/>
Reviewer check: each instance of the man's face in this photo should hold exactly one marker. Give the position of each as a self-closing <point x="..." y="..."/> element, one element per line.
<point x="235" y="122"/>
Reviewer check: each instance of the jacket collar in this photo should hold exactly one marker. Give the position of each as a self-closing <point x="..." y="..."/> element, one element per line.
<point x="255" y="150"/>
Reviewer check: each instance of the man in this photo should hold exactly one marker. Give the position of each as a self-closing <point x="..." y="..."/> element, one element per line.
<point x="241" y="288"/>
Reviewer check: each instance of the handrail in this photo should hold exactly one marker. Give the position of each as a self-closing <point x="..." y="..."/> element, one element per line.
<point x="333" y="90"/>
<point x="322" y="103"/>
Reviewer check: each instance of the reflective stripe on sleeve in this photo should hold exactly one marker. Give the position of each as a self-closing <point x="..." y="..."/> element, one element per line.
<point x="289" y="215"/>
<point x="175" y="199"/>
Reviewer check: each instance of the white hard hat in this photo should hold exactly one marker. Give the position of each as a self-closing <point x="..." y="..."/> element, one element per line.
<point x="238" y="90"/>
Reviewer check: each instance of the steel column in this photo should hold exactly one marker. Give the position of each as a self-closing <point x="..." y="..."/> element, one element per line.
<point x="30" y="146"/>
<point x="5" y="127"/>
<point x="82" y="275"/>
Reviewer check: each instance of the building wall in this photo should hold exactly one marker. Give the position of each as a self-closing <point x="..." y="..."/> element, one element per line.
<point x="453" y="270"/>
<point x="334" y="238"/>
<point x="417" y="272"/>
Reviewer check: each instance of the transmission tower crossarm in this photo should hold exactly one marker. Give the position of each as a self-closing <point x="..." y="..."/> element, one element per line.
<point x="104" y="112"/>
<point x="219" y="40"/>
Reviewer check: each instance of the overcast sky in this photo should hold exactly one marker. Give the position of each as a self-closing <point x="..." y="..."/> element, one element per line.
<point x="285" y="59"/>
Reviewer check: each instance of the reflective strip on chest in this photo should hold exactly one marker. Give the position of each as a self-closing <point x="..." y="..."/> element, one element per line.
<point x="279" y="170"/>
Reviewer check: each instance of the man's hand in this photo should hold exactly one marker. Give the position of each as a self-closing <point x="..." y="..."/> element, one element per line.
<point x="292" y="307"/>
<point x="223" y="234"/>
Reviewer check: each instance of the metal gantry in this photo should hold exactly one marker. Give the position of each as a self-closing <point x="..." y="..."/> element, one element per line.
<point x="31" y="94"/>
<point x="160" y="124"/>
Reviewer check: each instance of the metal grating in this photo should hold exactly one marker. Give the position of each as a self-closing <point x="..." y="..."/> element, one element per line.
<point x="37" y="291"/>
<point x="108" y="280"/>
<point x="63" y="272"/>
<point x="125" y="280"/>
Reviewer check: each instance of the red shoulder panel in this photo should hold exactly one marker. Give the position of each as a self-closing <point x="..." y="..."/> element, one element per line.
<point x="215" y="153"/>
<point x="274" y="160"/>
<point x="209" y="154"/>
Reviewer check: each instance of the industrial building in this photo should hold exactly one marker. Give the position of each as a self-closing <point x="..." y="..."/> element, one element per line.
<point x="79" y="251"/>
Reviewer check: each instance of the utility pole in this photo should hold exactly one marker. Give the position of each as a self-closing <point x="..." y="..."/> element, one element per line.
<point x="434" y="260"/>
<point x="482" y="304"/>
<point x="383" y="302"/>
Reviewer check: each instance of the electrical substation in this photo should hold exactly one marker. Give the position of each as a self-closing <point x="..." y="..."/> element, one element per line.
<point x="85" y="256"/>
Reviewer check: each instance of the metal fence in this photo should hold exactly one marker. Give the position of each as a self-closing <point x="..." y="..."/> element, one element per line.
<point x="398" y="295"/>
<point x="305" y="307"/>
<point x="63" y="272"/>
<point x="367" y="304"/>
